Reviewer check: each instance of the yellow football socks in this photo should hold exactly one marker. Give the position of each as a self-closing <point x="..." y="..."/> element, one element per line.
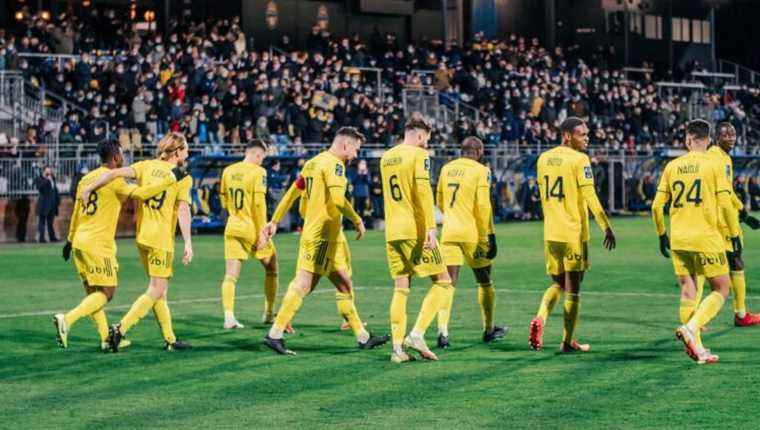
<point x="228" y="294"/>
<point x="164" y="318"/>
<point x="739" y="290"/>
<point x="101" y="323"/>
<point x="87" y="306"/>
<point x="139" y="309"/>
<point x="700" y="288"/>
<point x="549" y="300"/>
<point x="436" y="297"/>
<point x="290" y="305"/>
<point x="572" y="306"/>
<point x="706" y="311"/>
<point x="398" y="316"/>
<point x="686" y="311"/>
<point x="444" y="314"/>
<point x="347" y="309"/>
<point x="271" y="284"/>
<point x="487" y="300"/>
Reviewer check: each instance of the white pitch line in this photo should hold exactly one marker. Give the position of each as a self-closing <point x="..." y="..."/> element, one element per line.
<point x="387" y="287"/>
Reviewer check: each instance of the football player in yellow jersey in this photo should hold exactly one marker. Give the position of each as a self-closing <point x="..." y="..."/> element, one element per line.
<point x="699" y="195"/>
<point x="464" y="197"/>
<point x="156" y="223"/>
<point x="321" y="252"/>
<point x="243" y="194"/>
<point x="91" y="240"/>
<point x="411" y="238"/>
<point x="566" y="185"/>
<point x="726" y="138"/>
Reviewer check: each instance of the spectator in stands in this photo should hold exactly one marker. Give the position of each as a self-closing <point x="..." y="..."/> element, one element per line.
<point x="376" y="197"/>
<point x="360" y="181"/>
<point x="47" y="205"/>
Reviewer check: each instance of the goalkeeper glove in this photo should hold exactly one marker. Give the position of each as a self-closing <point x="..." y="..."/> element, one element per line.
<point x="66" y="251"/>
<point x="492" y="249"/>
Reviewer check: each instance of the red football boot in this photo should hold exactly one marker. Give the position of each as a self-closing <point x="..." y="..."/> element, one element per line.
<point x="749" y="320"/>
<point x="536" y="336"/>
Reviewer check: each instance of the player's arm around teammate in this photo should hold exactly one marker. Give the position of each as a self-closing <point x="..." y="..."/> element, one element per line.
<point x="91" y="239"/>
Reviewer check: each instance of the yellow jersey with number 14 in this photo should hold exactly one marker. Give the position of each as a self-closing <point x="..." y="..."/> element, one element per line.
<point x="562" y="172"/>
<point x="157" y="216"/>
<point x="243" y="192"/>
<point x="464" y="197"/>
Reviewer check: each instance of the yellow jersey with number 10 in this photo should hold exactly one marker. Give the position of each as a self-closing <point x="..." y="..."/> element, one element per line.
<point x="243" y="190"/>
<point x="157" y="216"/>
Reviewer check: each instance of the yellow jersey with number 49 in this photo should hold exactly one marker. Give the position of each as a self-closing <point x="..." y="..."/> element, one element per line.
<point x="464" y="197"/>
<point x="243" y="190"/>
<point x="693" y="182"/>
<point x="157" y="216"/>
<point x="562" y="172"/>
<point x="322" y="221"/>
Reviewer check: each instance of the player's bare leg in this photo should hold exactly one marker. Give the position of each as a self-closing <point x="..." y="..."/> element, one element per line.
<point x="299" y="288"/>
<point x="444" y="315"/>
<point x="572" y="309"/>
<point x="344" y="300"/>
<point x="707" y="310"/>
<point x="231" y="275"/>
<point x="548" y="301"/>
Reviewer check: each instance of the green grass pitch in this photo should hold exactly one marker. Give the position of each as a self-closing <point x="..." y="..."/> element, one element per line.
<point x="637" y="375"/>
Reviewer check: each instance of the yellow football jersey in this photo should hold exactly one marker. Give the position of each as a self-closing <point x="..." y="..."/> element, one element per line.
<point x="244" y="189"/>
<point x="693" y="182"/>
<point x="727" y="166"/>
<point x="464" y="197"/>
<point x="562" y="172"/>
<point x="322" y="220"/>
<point x="409" y="212"/>
<point x="93" y="224"/>
<point x="157" y="216"/>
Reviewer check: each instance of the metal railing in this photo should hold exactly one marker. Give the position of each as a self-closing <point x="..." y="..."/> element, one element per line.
<point x="742" y="75"/>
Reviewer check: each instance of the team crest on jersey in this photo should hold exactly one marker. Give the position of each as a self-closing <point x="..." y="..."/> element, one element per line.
<point x="427" y="164"/>
<point x="728" y="171"/>
<point x="587" y="172"/>
<point x="338" y="170"/>
<point x="264" y="181"/>
<point x="488" y="178"/>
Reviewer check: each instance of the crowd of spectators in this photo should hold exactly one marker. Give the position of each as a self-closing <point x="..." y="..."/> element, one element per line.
<point x="207" y="80"/>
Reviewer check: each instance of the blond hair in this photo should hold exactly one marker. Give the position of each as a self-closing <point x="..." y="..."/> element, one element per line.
<point x="169" y="144"/>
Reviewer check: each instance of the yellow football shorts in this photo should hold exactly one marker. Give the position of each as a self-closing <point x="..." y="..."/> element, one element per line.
<point x="564" y="257"/>
<point x="237" y="248"/>
<point x="708" y="264"/>
<point x="408" y="257"/>
<point x="96" y="270"/>
<point x="156" y="262"/>
<point x="323" y="257"/>
<point x="474" y="253"/>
